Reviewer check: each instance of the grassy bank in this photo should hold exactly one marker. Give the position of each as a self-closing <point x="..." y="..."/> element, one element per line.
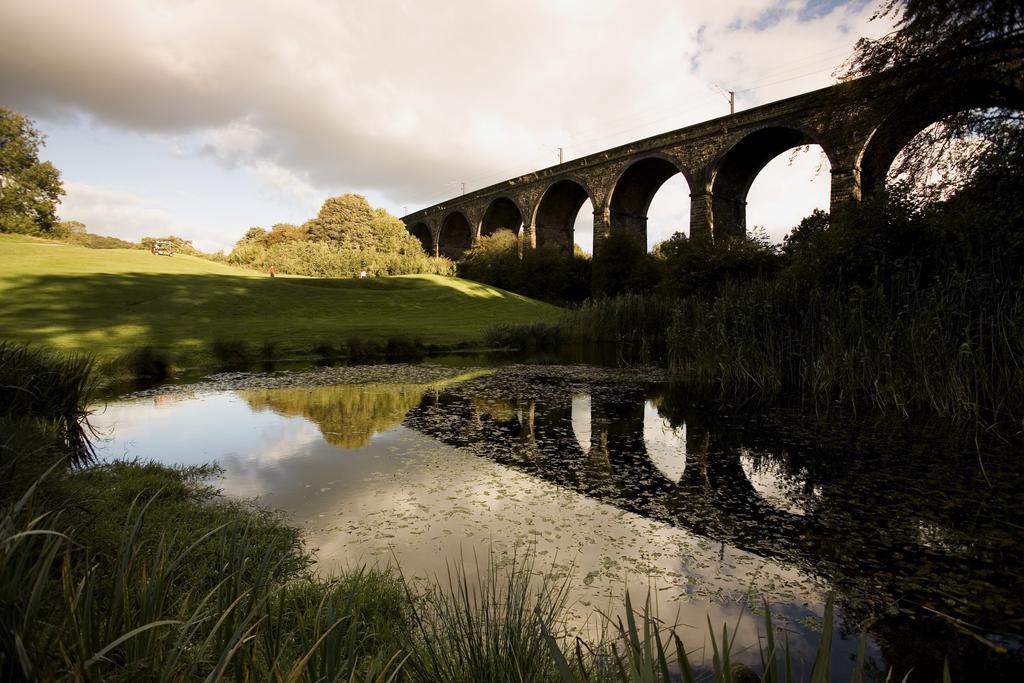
<point x="108" y="302"/>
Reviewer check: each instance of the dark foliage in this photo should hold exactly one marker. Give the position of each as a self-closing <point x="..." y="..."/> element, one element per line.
<point x="524" y="337"/>
<point x="902" y="304"/>
<point x="544" y="273"/>
<point x="232" y="354"/>
<point x="38" y="384"/>
<point x="623" y="266"/>
<point x="400" y="349"/>
<point x="929" y="31"/>
<point x="146" y="362"/>
<point x="360" y="348"/>
<point x="945" y="49"/>
<point x="704" y="266"/>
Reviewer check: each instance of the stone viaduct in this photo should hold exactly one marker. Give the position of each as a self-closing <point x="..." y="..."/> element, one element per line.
<point x="861" y="125"/>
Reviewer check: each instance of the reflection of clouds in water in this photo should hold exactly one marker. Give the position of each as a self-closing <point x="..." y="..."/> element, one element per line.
<point x="406" y="497"/>
<point x="196" y="431"/>
<point x="444" y="502"/>
<point x="248" y="474"/>
<point x="666" y="445"/>
<point x="777" y="487"/>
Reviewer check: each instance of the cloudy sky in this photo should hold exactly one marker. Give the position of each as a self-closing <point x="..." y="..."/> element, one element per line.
<point x="204" y="118"/>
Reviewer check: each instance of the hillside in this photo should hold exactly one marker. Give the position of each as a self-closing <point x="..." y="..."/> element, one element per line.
<point x="112" y="300"/>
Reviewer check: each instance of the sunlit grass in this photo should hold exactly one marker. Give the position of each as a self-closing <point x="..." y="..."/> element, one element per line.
<point x="108" y="302"/>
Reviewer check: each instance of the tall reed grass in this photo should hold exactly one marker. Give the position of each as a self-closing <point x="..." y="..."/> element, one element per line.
<point x="896" y="348"/>
<point x="637" y="319"/>
<point x="487" y="628"/>
<point x="39" y="384"/>
<point x="67" y="614"/>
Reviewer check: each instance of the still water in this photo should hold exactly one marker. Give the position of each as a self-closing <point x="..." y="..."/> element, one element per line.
<point x="622" y="482"/>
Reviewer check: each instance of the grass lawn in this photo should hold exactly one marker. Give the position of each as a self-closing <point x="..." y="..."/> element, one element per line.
<point x="107" y="301"/>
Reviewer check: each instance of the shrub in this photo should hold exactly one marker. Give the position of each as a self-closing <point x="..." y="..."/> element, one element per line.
<point x="524" y="336"/>
<point x="360" y="348"/>
<point x="146" y="362"/>
<point x="326" y="259"/>
<point x="544" y="273"/>
<point x="400" y="348"/>
<point x="326" y="350"/>
<point x="269" y="350"/>
<point x="231" y="354"/>
<point x="179" y="245"/>
<point x="623" y="266"/>
<point x="704" y="266"/>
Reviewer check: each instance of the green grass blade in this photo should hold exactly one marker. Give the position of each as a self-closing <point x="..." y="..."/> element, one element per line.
<point x="823" y="660"/>
<point x="131" y="634"/>
<point x="556" y="654"/>
<point x="685" y="668"/>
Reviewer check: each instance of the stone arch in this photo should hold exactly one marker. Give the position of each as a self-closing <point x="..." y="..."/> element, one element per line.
<point x="887" y="140"/>
<point x="503" y="213"/>
<point x="455" y="235"/>
<point x="734" y="171"/>
<point x="556" y="211"/>
<point x="425" y="235"/>
<point x="634" y="189"/>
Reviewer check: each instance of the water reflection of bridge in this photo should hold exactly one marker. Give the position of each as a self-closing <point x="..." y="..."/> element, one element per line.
<point x="714" y="496"/>
<point x="823" y="528"/>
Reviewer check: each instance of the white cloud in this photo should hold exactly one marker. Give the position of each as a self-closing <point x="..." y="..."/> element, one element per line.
<point x="240" y="144"/>
<point x="124" y="214"/>
<point x="403" y="97"/>
<point x="232" y="142"/>
<point x="281" y="180"/>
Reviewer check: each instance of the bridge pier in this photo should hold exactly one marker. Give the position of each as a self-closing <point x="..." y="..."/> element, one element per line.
<point x="633" y="226"/>
<point x="845" y="195"/>
<point x="528" y="238"/>
<point x="714" y="216"/>
<point x="728" y="217"/>
<point x="700" y="215"/>
<point x="602" y="228"/>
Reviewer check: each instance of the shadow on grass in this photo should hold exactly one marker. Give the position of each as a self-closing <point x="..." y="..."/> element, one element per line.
<point x="111" y="312"/>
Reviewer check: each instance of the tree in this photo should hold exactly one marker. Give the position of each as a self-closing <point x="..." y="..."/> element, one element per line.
<point x="494" y="260"/>
<point x="390" y="236"/>
<point x="346" y="220"/>
<point x="69" y="228"/>
<point x="806" y="232"/>
<point x="284" y="232"/>
<point x="179" y="245"/>
<point x="703" y="266"/>
<point x="947" y="46"/>
<point x="975" y="33"/>
<point x="29" y="189"/>
<point x="254" y="234"/>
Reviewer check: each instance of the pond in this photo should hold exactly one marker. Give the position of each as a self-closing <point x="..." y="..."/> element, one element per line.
<point x="618" y="481"/>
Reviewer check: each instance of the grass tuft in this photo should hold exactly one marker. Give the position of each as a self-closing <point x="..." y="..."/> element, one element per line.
<point x="231" y="354"/>
<point x="48" y="386"/>
<point x="146" y="362"/>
